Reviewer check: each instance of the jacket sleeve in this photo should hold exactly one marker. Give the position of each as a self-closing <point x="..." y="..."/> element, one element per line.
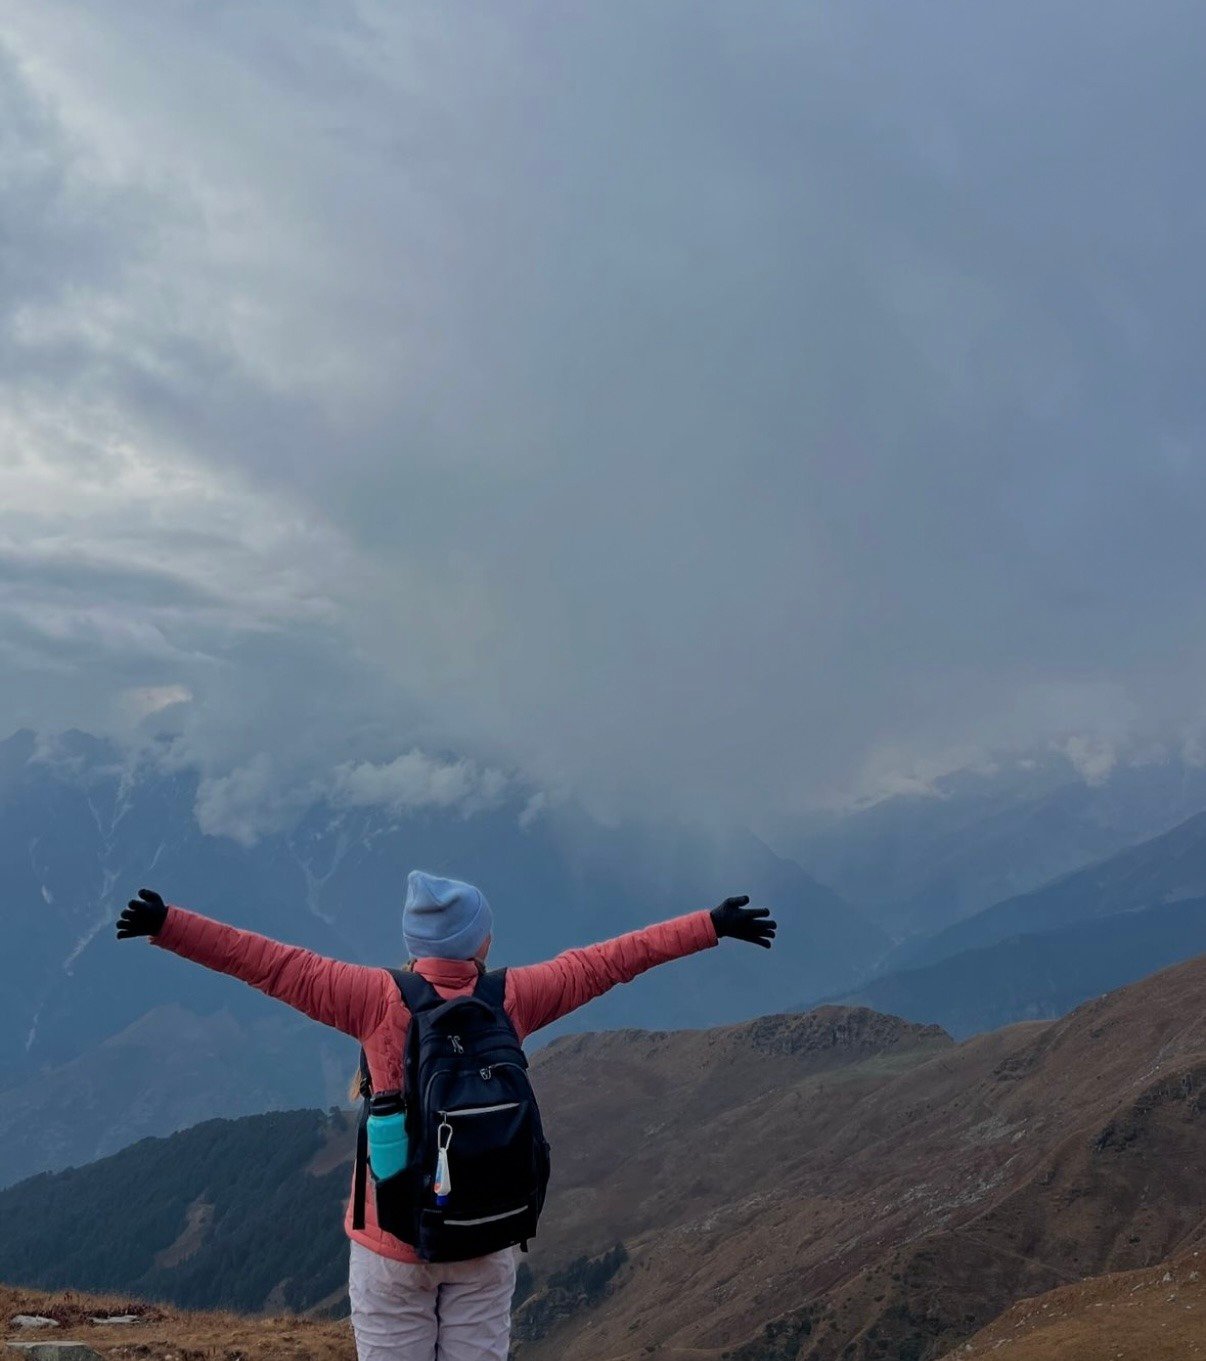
<point x="539" y="994"/>
<point x="351" y="997"/>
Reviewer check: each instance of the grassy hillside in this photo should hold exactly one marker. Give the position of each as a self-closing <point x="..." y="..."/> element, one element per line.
<point x="234" y="1214"/>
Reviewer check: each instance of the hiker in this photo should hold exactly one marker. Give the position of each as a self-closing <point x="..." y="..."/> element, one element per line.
<point x="403" y="1307"/>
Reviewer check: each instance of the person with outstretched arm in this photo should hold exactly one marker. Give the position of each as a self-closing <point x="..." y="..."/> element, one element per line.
<point x="404" y="1308"/>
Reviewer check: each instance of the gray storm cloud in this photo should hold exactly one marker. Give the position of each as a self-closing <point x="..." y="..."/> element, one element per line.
<point x="713" y="408"/>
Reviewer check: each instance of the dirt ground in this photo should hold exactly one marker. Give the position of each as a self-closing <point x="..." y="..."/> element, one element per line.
<point x="1158" y="1314"/>
<point x="165" y="1334"/>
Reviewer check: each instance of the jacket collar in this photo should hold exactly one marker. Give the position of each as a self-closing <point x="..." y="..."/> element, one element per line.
<point x="447" y="973"/>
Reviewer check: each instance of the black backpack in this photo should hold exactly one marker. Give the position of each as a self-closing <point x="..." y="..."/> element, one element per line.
<point x="466" y="1089"/>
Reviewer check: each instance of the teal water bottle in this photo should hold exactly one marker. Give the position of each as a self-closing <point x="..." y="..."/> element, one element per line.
<point x="387" y="1141"/>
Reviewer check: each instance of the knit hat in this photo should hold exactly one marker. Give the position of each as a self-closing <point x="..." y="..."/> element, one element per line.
<point x="444" y="918"/>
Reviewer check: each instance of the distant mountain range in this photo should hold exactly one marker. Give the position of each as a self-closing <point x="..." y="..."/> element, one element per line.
<point x="167" y="1070"/>
<point x="836" y="1184"/>
<point x="1039" y="975"/>
<point x="1166" y="869"/>
<point x="80" y="830"/>
<point x="1039" y="954"/>
<point x="919" y="861"/>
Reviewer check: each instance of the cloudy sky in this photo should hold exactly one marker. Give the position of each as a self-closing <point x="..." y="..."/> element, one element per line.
<point x="706" y="407"/>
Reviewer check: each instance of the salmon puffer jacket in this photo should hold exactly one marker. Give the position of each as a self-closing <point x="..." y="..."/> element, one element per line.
<point x="364" y="1002"/>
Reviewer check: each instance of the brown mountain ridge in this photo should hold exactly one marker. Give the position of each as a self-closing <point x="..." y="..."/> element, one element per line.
<point x="842" y="1184"/>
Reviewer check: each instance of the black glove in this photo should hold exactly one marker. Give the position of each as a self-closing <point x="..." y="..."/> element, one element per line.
<point x="733" y="918"/>
<point x="143" y="916"/>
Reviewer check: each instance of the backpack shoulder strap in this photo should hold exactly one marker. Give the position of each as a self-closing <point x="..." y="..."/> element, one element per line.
<point x="492" y="988"/>
<point x="360" y="1175"/>
<point x="417" y="992"/>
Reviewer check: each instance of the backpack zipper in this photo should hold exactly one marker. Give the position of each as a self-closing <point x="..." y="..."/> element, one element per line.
<point x="440" y="1071"/>
<point x="478" y="1110"/>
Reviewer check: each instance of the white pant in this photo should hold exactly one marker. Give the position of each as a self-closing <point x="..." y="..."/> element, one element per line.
<point x="432" y="1311"/>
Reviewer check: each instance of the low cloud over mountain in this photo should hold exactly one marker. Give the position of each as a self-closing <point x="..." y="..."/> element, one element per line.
<point x="704" y="408"/>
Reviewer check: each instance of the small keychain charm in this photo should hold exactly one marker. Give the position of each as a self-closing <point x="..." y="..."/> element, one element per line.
<point x="443" y="1181"/>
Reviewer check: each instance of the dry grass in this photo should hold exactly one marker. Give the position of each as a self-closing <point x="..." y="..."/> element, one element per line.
<point x="1158" y="1314"/>
<point x="166" y="1334"/>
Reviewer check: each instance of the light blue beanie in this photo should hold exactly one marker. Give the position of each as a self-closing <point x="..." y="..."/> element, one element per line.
<point x="443" y="918"/>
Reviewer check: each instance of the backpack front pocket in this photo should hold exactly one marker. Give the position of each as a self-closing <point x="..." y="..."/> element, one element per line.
<point x="487" y="1148"/>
